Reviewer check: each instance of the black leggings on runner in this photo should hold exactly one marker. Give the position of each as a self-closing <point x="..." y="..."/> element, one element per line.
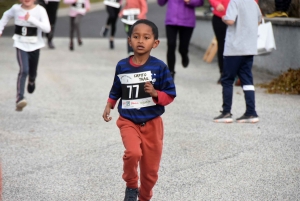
<point x="282" y="5"/>
<point x="75" y="26"/>
<point x="185" y="34"/>
<point x="112" y="19"/>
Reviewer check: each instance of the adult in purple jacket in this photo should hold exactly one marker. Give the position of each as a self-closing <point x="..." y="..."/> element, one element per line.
<point x="180" y="18"/>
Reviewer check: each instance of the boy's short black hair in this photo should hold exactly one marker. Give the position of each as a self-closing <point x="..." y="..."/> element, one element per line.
<point x="147" y="22"/>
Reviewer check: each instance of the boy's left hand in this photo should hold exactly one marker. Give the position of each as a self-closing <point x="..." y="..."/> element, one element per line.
<point x="148" y="87"/>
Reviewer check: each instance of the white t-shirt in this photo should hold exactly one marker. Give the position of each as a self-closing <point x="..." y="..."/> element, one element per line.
<point x="241" y="37"/>
<point x="38" y="19"/>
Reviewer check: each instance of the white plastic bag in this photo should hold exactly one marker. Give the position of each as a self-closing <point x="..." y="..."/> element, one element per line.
<point x="265" y="40"/>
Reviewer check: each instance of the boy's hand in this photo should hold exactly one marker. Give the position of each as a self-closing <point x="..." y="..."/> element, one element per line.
<point x="148" y="87"/>
<point x="187" y="1"/>
<point x="106" y="113"/>
<point x="27" y="16"/>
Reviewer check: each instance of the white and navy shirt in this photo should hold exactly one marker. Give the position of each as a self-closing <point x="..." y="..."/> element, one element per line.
<point x="28" y="33"/>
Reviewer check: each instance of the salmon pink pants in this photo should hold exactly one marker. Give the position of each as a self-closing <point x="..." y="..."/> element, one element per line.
<point x="143" y="147"/>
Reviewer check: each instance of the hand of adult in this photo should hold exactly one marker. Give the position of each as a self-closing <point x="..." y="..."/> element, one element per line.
<point x="187" y="1"/>
<point x="220" y="7"/>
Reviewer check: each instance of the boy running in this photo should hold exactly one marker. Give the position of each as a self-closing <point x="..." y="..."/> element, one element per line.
<point x="30" y="21"/>
<point x="144" y="86"/>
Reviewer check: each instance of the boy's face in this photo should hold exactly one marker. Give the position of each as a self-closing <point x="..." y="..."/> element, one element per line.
<point x="27" y="3"/>
<point x="142" y="39"/>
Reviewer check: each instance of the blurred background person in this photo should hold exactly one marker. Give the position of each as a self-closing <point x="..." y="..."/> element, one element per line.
<point x="180" y="18"/>
<point x="78" y="9"/>
<point x="51" y="7"/>
<point x="281" y="8"/>
<point x="133" y="10"/>
<point x="113" y="9"/>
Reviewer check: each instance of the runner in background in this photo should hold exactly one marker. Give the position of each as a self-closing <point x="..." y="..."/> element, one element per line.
<point x="113" y="9"/>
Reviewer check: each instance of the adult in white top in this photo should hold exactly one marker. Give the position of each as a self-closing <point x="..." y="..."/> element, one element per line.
<point x="30" y="21"/>
<point x="51" y="7"/>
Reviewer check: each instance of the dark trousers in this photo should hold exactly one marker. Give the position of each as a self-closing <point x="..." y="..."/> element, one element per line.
<point x="241" y="66"/>
<point x="51" y="9"/>
<point x="282" y="5"/>
<point x="112" y="19"/>
<point x="127" y="28"/>
<point x="75" y="27"/>
<point x="185" y="34"/>
<point x="220" y="32"/>
<point x="28" y="63"/>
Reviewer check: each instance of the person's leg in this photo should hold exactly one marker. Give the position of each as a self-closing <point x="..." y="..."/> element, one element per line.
<point x="152" y="142"/>
<point x="185" y="34"/>
<point x="230" y="69"/>
<point x="72" y="29"/>
<point x="77" y="27"/>
<point x="52" y="8"/>
<point x="132" y="142"/>
<point x="220" y="32"/>
<point x="129" y="48"/>
<point x="23" y="60"/>
<point x="245" y="75"/>
<point x="171" y="32"/>
<point x="114" y="16"/>
<point x="33" y="66"/>
<point x="105" y="28"/>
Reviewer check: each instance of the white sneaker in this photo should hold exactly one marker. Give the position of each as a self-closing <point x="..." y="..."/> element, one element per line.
<point x="20" y="105"/>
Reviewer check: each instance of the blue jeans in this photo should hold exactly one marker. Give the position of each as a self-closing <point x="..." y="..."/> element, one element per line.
<point x="28" y="62"/>
<point x="238" y="66"/>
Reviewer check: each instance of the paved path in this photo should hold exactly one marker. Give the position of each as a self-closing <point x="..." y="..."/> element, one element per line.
<point x="60" y="149"/>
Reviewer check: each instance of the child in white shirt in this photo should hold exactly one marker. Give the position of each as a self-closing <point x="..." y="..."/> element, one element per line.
<point x="30" y="21"/>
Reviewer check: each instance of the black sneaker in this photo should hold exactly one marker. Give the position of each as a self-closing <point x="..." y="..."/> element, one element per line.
<point x="111" y="44"/>
<point x="20" y="105"/>
<point x="185" y="61"/>
<point x="31" y="87"/>
<point x="247" y="119"/>
<point x="131" y="194"/>
<point x="50" y="45"/>
<point x="103" y="32"/>
<point x="224" y="118"/>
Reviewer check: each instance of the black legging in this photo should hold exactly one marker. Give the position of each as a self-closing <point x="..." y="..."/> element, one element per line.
<point x="51" y="9"/>
<point x="220" y="32"/>
<point x="75" y="26"/>
<point x="112" y="19"/>
<point x="282" y="5"/>
<point x="185" y="34"/>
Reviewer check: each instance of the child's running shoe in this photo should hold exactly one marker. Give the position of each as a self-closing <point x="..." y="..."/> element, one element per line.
<point x="224" y="118"/>
<point x="103" y="32"/>
<point x="20" y="105"/>
<point x="30" y="87"/>
<point x="131" y="194"/>
<point x="247" y="119"/>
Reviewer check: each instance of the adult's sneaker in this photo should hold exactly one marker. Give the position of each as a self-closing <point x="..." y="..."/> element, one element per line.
<point x="21" y="104"/>
<point x="247" y="119"/>
<point x="30" y="87"/>
<point x="224" y="118"/>
<point x="131" y="194"/>
<point x="185" y="61"/>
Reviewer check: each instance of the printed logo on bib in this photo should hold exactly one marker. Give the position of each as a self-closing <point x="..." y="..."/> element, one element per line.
<point x="130" y="16"/>
<point x="133" y="94"/>
<point x="112" y="3"/>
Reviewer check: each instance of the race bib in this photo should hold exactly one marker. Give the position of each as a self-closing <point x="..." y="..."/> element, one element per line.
<point x="133" y="93"/>
<point x="112" y="3"/>
<point x="25" y="34"/>
<point x="130" y="16"/>
<point x="79" y="6"/>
